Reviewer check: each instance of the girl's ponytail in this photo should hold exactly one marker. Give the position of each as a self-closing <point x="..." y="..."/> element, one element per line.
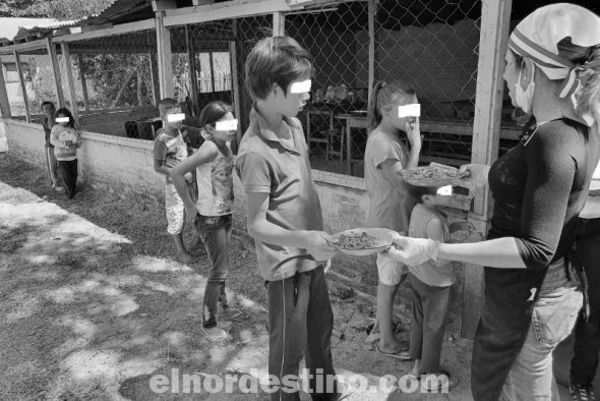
<point x="374" y="117"/>
<point x="383" y="95"/>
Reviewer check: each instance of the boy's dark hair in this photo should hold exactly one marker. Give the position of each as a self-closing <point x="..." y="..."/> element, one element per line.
<point x="275" y="60"/>
<point x="47" y="103"/>
<point x="166" y="104"/>
<point x="417" y="192"/>
<point x="65" y="112"/>
<point x="213" y="112"/>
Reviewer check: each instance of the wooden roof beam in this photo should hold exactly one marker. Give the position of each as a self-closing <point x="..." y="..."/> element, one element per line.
<point x="226" y="10"/>
<point x="160" y="5"/>
<point x="120" y="29"/>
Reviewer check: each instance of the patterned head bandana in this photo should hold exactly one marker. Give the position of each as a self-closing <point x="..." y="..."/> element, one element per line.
<point x="547" y="37"/>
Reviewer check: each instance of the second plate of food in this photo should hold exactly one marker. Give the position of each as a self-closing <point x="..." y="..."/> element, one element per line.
<point x="364" y="241"/>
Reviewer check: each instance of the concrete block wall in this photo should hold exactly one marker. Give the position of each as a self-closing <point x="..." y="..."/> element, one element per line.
<point x="124" y="163"/>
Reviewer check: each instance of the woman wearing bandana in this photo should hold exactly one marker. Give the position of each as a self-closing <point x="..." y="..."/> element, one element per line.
<point x="534" y="288"/>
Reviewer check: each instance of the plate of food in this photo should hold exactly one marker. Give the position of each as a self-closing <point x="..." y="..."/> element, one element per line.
<point x="363" y="241"/>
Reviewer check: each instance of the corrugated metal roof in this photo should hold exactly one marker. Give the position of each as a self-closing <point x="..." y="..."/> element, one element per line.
<point x="122" y="11"/>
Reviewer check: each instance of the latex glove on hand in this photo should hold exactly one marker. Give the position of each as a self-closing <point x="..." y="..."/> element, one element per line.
<point x="414" y="251"/>
<point x="473" y="176"/>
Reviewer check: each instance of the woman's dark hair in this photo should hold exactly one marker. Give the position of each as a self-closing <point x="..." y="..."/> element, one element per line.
<point x="65" y="112"/>
<point x="213" y="112"/>
<point x="385" y="94"/>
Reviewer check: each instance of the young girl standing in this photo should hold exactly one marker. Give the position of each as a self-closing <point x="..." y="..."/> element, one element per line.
<point x="66" y="140"/>
<point x="212" y="213"/>
<point x="391" y="120"/>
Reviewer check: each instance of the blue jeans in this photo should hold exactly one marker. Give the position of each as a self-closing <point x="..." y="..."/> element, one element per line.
<point x="530" y="377"/>
<point x="215" y="233"/>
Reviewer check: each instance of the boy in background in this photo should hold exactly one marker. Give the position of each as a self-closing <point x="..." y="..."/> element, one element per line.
<point x="51" y="164"/>
<point x="430" y="283"/>
<point x="284" y="218"/>
<point x="170" y="150"/>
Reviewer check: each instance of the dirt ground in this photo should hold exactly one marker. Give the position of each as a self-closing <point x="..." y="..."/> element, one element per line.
<point x="94" y="304"/>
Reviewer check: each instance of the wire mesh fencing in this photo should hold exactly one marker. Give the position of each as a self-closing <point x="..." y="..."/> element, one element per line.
<point x="208" y="63"/>
<point x="114" y="81"/>
<point x="38" y="81"/>
<point x="114" y="72"/>
<point x="202" y="67"/>
<point x="434" y="48"/>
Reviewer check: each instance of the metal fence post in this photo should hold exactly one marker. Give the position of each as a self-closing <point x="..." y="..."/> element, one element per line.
<point x="56" y="70"/>
<point x="4" y="103"/>
<point x="165" y="67"/>
<point x="23" y="86"/>
<point x="278" y="24"/>
<point x="64" y="46"/>
<point x="371" y="79"/>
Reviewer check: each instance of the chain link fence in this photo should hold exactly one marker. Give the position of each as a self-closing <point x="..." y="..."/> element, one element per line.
<point x="38" y="77"/>
<point x="114" y="72"/>
<point x="208" y="63"/>
<point x="115" y="82"/>
<point x="432" y="46"/>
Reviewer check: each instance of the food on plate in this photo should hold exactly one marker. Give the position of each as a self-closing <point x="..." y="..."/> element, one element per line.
<point x="427" y="176"/>
<point x="360" y="240"/>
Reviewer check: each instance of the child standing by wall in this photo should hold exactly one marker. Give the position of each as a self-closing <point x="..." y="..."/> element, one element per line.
<point x="389" y="202"/>
<point x="212" y="213"/>
<point x="284" y="217"/>
<point x="51" y="163"/>
<point x="430" y="283"/>
<point x="66" y="140"/>
<point x="170" y="150"/>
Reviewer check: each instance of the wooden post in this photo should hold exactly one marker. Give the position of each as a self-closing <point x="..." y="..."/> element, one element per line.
<point x="495" y="26"/>
<point x="57" y="80"/>
<point x="23" y="86"/>
<point x="165" y="64"/>
<point x="278" y="24"/>
<point x="86" y="104"/>
<point x="235" y="86"/>
<point x="371" y="81"/>
<point x="64" y="47"/>
<point x="193" y="76"/>
<point x="4" y="103"/>
<point x="152" y="58"/>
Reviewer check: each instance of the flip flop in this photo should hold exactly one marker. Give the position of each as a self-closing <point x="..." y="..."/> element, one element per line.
<point x="217" y="340"/>
<point x="402" y="355"/>
<point x="427" y="385"/>
<point x="234" y="314"/>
